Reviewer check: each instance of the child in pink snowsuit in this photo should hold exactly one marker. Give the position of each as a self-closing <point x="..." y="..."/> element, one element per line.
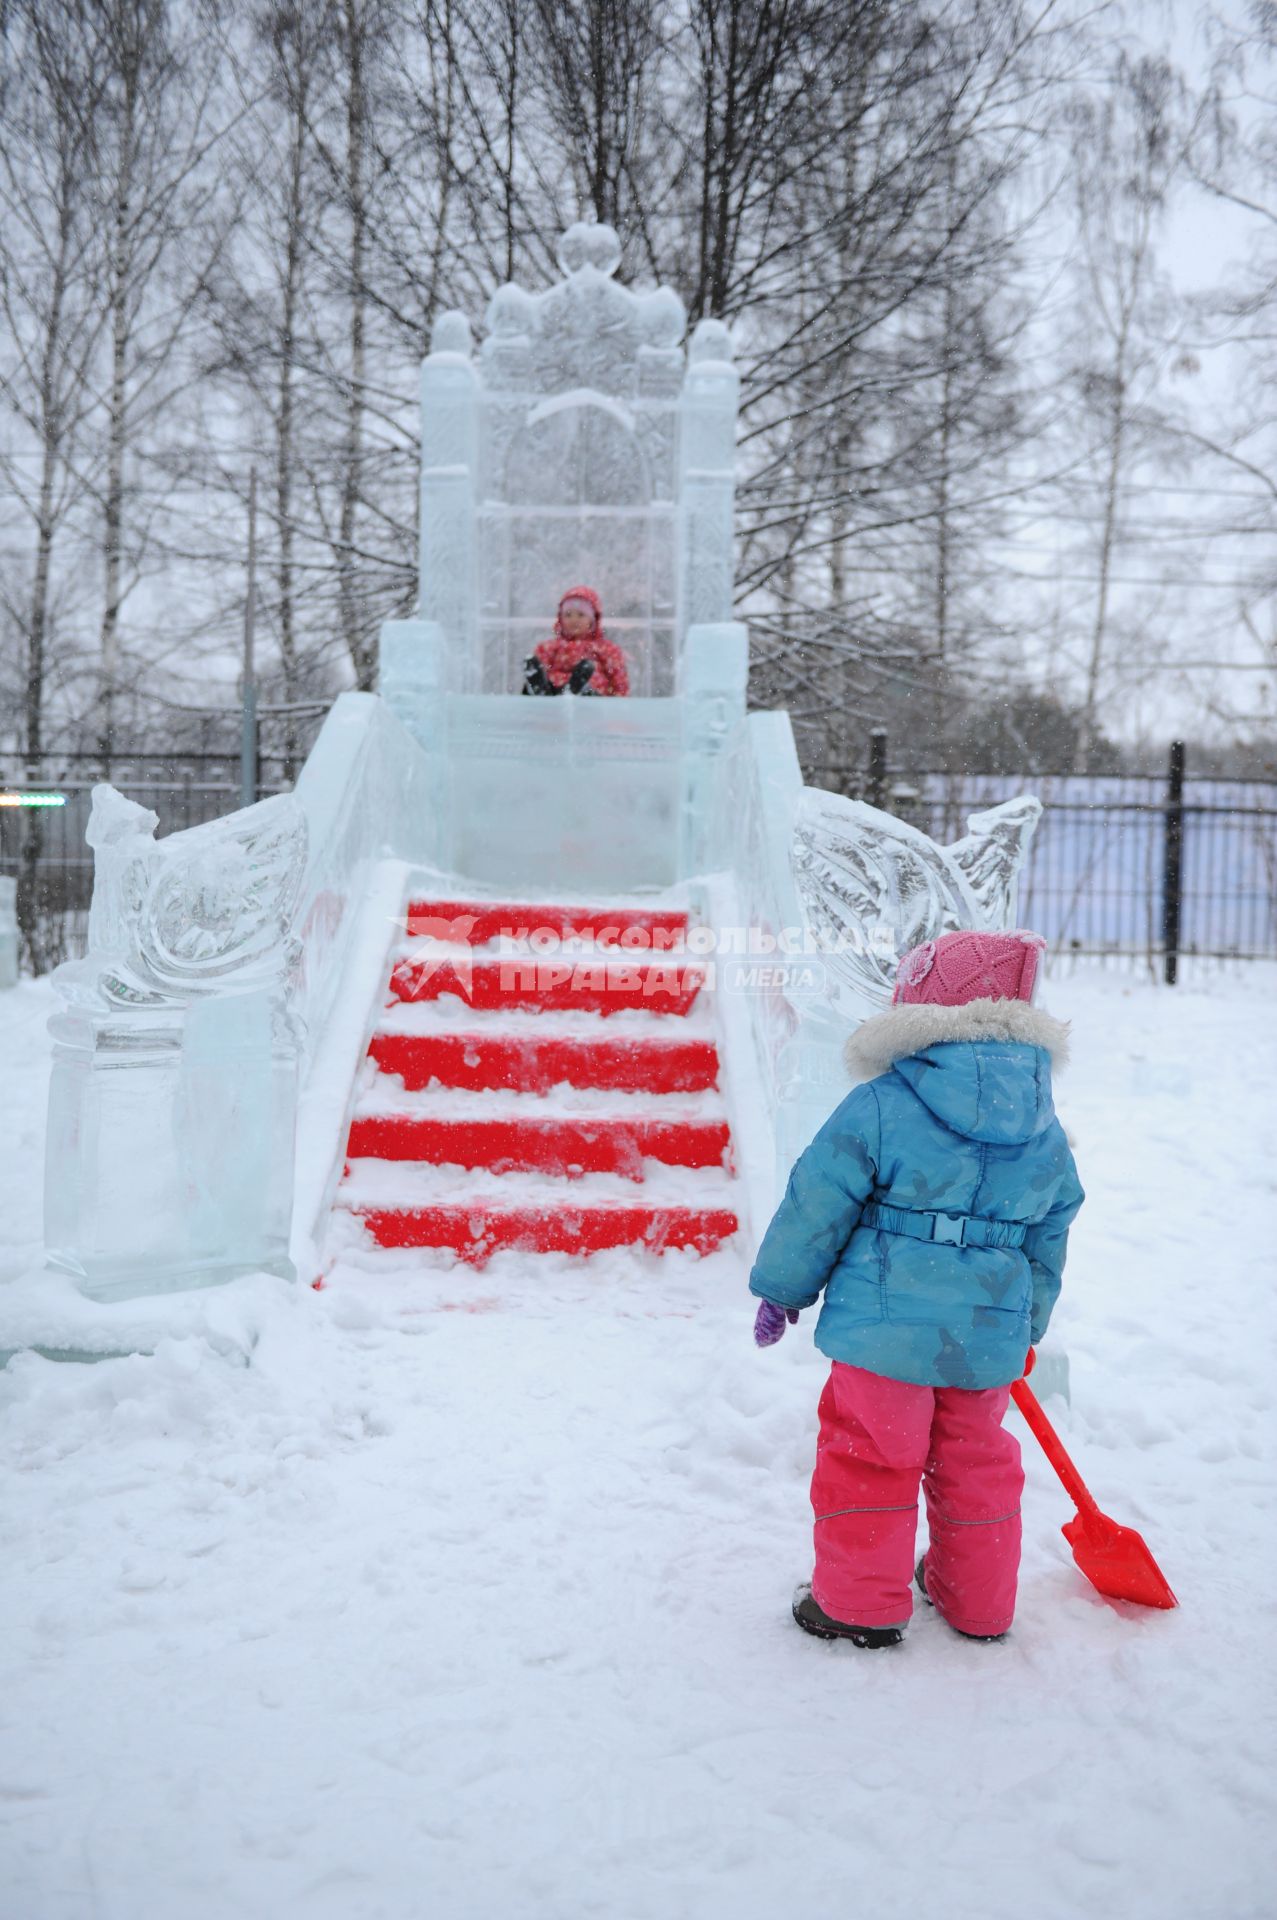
<point x="578" y="655"/>
<point x="932" y="1210"/>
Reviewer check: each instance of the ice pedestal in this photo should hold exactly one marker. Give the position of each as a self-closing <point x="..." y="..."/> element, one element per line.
<point x="413" y="662"/>
<point x="173" y="1097"/>
<point x="170" y="1146"/>
<point x="215" y="959"/>
<point x="414" y="671"/>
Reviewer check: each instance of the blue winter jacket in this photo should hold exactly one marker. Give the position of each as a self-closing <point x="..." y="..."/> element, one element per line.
<point x="960" y="1127"/>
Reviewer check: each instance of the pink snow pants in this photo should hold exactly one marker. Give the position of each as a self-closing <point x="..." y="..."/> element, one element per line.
<point x="878" y="1439"/>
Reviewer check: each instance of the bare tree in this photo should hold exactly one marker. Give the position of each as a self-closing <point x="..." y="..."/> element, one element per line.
<point x="157" y="194"/>
<point x="596" y="62"/>
<point x="1130" y="149"/>
<point x="50" y="280"/>
<point x="50" y="277"/>
<point x="880" y="417"/>
<point x="1234" y="162"/>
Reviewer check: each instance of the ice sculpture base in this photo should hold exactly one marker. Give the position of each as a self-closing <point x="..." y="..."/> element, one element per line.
<point x="44" y="1312"/>
<point x="170" y="1147"/>
<point x="110" y="1282"/>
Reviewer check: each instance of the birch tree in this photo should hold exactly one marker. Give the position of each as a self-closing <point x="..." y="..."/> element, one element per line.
<point x="157" y="192"/>
<point x="1131" y="146"/>
<point x="50" y="285"/>
<point x="1234" y="163"/>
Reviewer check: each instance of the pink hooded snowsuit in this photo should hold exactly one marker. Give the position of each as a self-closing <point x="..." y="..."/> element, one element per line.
<point x="559" y="654"/>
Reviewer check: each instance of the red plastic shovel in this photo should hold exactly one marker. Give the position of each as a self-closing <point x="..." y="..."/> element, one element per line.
<point x="1114" y="1559"/>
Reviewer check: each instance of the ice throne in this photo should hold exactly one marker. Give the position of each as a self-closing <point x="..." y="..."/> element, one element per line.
<point x="582" y="444"/>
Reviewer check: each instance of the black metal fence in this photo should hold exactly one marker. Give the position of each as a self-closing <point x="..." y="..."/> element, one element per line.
<point x="1121" y="865"/>
<point x="43" y="847"/>
<point x="1161" y="867"/>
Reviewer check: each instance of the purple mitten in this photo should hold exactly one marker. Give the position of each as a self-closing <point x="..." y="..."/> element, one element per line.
<point x="769" y="1322"/>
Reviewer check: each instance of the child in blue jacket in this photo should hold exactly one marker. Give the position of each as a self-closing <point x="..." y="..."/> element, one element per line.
<point x="932" y="1210"/>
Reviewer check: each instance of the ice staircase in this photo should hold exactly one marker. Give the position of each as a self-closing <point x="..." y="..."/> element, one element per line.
<point x="541" y="1078"/>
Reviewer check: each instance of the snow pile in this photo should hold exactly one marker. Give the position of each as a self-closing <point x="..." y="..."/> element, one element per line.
<point x="449" y="1593"/>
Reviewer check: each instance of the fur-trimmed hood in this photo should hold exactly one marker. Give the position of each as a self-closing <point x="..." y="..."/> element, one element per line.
<point x="982" y="1069"/>
<point x="963" y="1124"/>
<point x="899" y="1031"/>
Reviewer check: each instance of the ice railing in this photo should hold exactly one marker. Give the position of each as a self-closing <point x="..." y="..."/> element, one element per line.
<point x="214" y="959"/>
<point x="580" y="446"/>
<point x="575" y="793"/>
<point x="832" y="892"/>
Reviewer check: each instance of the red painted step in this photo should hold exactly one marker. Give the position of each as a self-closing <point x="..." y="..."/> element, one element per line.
<point x="550" y="985"/>
<point x="484" y="1062"/>
<point x="557" y="1146"/>
<point x="635" y="960"/>
<point x="477" y="1232"/>
<point x="475" y="922"/>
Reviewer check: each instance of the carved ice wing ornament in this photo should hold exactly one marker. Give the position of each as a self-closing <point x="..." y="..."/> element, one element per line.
<point x="871" y="886"/>
<point x="121" y="834"/>
<point x="222" y="901"/>
<point x="992" y="852"/>
<point x="203" y="911"/>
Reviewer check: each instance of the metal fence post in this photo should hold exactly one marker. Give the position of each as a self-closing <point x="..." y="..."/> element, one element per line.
<point x="877" y="766"/>
<point x="1171" y="863"/>
<point x="249" y="768"/>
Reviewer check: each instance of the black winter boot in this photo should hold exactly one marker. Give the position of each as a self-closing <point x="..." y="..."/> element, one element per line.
<point x="535" y="677"/>
<point x="580" y="677"/>
<point x="812" y="1618"/>
<point x="920" y="1581"/>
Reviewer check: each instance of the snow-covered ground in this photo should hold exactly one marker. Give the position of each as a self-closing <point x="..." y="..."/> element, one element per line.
<point x="436" y="1593"/>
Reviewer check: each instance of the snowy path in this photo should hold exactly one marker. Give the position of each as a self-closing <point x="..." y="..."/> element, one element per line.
<point x="484" y="1614"/>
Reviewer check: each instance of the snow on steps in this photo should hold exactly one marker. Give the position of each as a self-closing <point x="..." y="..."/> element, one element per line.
<point x="516" y="1096"/>
<point x="520" y="1143"/>
<point x="535" y="1063"/>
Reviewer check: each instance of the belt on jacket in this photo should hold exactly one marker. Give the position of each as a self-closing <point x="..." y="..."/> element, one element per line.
<point x="945" y="1229"/>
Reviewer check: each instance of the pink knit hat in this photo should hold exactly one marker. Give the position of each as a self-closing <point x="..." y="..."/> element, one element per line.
<point x="959" y="967"/>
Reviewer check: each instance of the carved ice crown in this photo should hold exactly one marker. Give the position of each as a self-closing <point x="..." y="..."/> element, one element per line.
<point x="587" y="245"/>
<point x="585" y="331"/>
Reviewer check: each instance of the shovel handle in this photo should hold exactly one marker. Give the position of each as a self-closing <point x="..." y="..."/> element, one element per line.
<point x="1052" y="1446"/>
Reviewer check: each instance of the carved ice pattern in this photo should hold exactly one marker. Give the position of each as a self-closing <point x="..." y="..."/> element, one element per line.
<point x="992" y="852"/>
<point x="203" y="911"/>
<point x="585" y="331"/>
<point x="707" y="460"/>
<point x="872" y="887"/>
<point x="707" y="593"/>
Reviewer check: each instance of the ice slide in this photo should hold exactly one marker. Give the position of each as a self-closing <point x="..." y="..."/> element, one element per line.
<point x="315" y="1024"/>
